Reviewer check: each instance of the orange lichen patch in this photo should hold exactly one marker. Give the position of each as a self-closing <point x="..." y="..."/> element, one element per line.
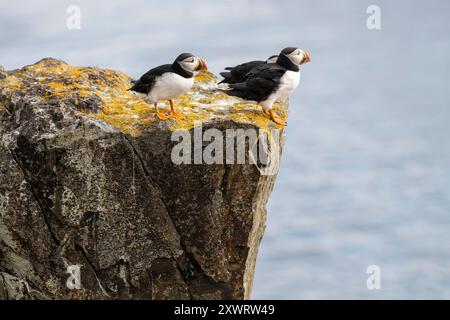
<point x="102" y="94"/>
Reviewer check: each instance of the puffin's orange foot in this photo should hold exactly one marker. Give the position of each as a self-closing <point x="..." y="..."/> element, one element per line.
<point x="176" y="114"/>
<point x="161" y="116"/>
<point x="267" y="113"/>
<point x="276" y="118"/>
<point x="173" y="112"/>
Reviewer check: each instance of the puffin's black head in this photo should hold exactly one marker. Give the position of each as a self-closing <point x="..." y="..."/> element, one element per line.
<point x="295" y="55"/>
<point x="272" y="59"/>
<point x="190" y="62"/>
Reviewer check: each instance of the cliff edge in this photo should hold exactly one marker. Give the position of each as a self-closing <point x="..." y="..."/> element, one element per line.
<point x="96" y="204"/>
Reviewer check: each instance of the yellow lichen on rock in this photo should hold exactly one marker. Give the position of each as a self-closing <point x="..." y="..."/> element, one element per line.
<point x="102" y="94"/>
<point x="11" y="83"/>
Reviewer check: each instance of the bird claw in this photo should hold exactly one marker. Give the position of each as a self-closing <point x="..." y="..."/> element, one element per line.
<point x="275" y="118"/>
<point x="161" y="116"/>
<point x="176" y="114"/>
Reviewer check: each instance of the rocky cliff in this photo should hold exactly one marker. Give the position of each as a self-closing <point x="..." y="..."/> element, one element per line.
<point x="92" y="205"/>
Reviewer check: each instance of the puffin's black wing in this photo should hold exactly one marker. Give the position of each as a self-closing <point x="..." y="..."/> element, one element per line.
<point x="259" y="83"/>
<point x="147" y="81"/>
<point x="237" y="73"/>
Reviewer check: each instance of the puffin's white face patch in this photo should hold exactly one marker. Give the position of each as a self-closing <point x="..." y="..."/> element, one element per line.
<point x="189" y="64"/>
<point x="272" y="60"/>
<point x="297" y="56"/>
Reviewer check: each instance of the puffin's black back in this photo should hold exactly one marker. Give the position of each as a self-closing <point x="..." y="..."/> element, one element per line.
<point x="237" y="73"/>
<point x="259" y="83"/>
<point x="147" y="81"/>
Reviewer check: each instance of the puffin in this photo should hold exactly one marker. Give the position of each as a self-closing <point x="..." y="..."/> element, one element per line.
<point x="237" y="73"/>
<point x="168" y="81"/>
<point x="271" y="82"/>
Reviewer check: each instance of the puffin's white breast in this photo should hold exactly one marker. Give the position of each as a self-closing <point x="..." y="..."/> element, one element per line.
<point x="170" y="85"/>
<point x="288" y="82"/>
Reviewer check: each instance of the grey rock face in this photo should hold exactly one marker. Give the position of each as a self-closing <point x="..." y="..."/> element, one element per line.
<point x="2" y="73"/>
<point x="75" y="190"/>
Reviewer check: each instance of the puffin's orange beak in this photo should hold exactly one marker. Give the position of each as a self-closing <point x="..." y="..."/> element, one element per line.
<point x="201" y="65"/>
<point x="308" y="57"/>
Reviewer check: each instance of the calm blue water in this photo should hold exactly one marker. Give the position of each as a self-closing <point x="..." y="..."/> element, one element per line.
<point x="365" y="177"/>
